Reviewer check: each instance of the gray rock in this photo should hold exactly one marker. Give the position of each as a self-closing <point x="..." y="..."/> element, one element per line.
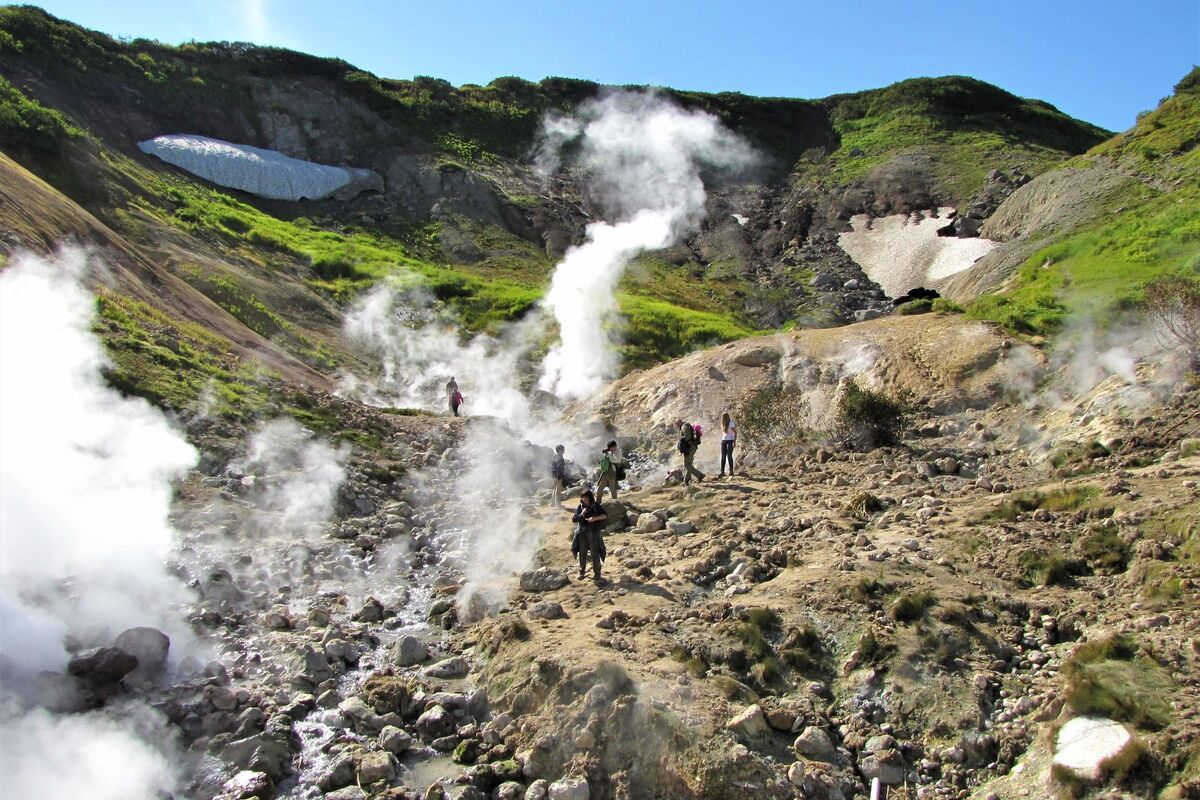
<point x="408" y="650"/>
<point x="341" y="771"/>
<point x="680" y="527"/>
<point x="750" y="723"/>
<point x="887" y="765"/>
<point x="249" y="784"/>
<point x="569" y="789"/>
<point x="102" y="665"/>
<point x="544" y="579"/>
<point x="376" y="766"/>
<point x="371" y="611"/>
<point x="148" y="645"/>
<point x="349" y="793"/>
<point x="538" y="790"/>
<point x="267" y="752"/>
<point x="649" y="523"/>
<point x="64" y="694"/>
<point x="395" y="740"/>
<point x="435" y="723"/>
<point x="455" y="667"/>
<point x="757" y="356"/>
<point x="822" y="280"/>
<point x="814" y="742"/>
<point x="547" y="609"/>
<point x="509" y="790"/>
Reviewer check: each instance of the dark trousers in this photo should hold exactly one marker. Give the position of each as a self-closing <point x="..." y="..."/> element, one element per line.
<point x="589" y="542"/>
<point x="727" y="453"/>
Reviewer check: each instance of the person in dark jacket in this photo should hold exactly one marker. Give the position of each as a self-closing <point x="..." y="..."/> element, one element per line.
<point x="589" y="521"/>
<point x="688" y="446"/>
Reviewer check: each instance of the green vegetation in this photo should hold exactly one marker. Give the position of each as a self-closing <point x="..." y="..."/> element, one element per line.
<point x="695" y="665"/>
<point x="1067" y="498"/>
<point x="1044" y="568"/>
<point x="27" y="125"/>
<point x="774" y="415"/>
<point x="914" y="307"/>
<point x="1106" y="552"/>
<point x="1110" y="678"/>
<point x="1150" y="228"/>
<point x="911" y="607"/>
<point x="866" y="419"/>
<point x="804" y="651"/>
<point x="656" y="331"/>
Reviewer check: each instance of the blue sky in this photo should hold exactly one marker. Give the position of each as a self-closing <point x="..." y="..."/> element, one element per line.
<point x="1099" y="60"/>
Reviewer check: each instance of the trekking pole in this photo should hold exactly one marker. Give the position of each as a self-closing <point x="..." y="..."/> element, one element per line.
<point x="877" y="791"/>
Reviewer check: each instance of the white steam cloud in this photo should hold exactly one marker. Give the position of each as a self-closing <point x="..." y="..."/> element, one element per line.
<point x="85" y="473"/>
<point x="85" y="488"/>
<point x="303" y="477"/>
<point x="643" y="157"/>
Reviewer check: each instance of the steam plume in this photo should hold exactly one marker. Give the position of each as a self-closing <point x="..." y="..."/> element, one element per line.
<point x="643" y="157"/>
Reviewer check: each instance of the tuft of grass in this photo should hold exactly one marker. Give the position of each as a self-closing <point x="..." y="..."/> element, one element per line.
<point x="911" y="607"/>
<point x="946" y="306"/>
<point x="1106" y="552"/>
<point x="914" y="307"/>
<point x="866" y="589"/>
<point x="1042" y="568"/>
<point x="763" y="618"/>
<point x="733" y="689"/>
<point x="863" y="505"/>
<point x="1109" y="677"/>
<point x="1068" y="498"/>
<point x="28" y="126"/>
<point x="695" y="665"/>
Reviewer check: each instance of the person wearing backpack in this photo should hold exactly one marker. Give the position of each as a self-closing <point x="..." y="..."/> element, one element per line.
<point x="689" y="442"/>
<point x="588" y="538"/>
<point x="612" y="470"/>
<point x="728" y="439"/>
<point x="558" y="474"/>
<point x="456" y="400"/>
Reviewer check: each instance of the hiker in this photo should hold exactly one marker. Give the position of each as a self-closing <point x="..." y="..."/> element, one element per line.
<point x="728" y="439"/>
<point x="456" y="400"/>
<point x="558" y="474"/>
<point x="689" y="442"/>
<point x="589" y="521"/>
<point x="451" y="387"/>
<point x="612" y="470"/>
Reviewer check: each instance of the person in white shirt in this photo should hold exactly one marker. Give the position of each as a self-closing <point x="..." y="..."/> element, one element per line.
<point x="728" y="438"/>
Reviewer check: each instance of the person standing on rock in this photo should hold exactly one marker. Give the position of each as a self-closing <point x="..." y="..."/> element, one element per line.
<point x="688" y="446"/>
<point x="612" y="470"/>
<point x="728" y="438"/>
<point x="589" y="521"/>
<point x="558" y="474"/>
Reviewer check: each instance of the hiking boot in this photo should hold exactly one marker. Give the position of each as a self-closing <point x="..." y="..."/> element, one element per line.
<point x="581" y="575"/>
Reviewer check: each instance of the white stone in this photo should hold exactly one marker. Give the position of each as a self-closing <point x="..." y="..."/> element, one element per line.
<point x="751" y="722"/>
<point x="266" y="173"/>
<point x="1087" y="745"/>
<point x="569" y="789"/>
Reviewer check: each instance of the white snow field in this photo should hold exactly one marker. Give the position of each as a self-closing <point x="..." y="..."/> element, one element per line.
<point x="902" y="252"/>
<point x="266" y="173"/>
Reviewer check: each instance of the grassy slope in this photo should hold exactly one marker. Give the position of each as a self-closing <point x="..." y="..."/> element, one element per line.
<point x="1152" y="226"/>
<point x="669" y="309"/>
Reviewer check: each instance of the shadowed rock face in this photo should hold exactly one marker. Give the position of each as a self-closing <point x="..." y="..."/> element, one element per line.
<point x="265" y="173"/>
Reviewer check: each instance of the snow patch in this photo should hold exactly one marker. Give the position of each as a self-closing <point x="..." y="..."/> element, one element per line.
<point x="266" y="173"/>
<point x="903" y="251"/>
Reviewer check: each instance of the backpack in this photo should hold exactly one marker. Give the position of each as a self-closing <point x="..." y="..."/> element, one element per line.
<point x="696" y="429"/>
<point x="605" y="464"/>
<point x="621" y="472"/>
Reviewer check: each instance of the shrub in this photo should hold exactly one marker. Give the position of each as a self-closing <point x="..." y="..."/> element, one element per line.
<point x="1040" y="568"/>
<point x="1106" y="552"/>
<point x="773" y="415"/>
<point x="863" y="505"/>
<point x="1107" y="677"/>
<point x="1173" y="301"/>
<point x="912" y="307"/>
<point x="911" y="607"/>
<point x="947" y="306"/>
<point x="867" y="419"/>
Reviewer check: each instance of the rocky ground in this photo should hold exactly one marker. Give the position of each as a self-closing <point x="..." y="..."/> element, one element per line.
<point x="929" y="614"/>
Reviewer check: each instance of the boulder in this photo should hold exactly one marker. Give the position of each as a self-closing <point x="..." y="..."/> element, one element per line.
<point x="538" y="790"/>
<point x="102" y="665"/>
<point x="757" y="356"/>
<point x="455" y="667"/>
<point x="249" y="784"/>
<point x="544" y="579"/>
<point x="435" y="723"/>
<point x="376" y="766"/>
<point x="371" y="611"/>
<point x="148" y="645"/>
<point x="395" y="740"/>
<point x="64" y="694"/>
<point x="887" y="765"/>
<point x="814" y="742"/>
<point x="1088" y="746"/>
<point x="408" y="650"/>
<point x="649" y="523"/>
<point x="547" y="609"/>
<point x="750" y="723"/>
<point x="679" y="527"/>
<point x="569" y="789"/>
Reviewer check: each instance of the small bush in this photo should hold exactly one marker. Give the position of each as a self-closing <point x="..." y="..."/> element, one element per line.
<point x="867" y="419"/>
<point x="1107" y="677"/>
<point x="765" y="619"/>
<point x="1106" y="552"/>
<point x="1173" y="301"/>
<point x="863" y="505"/>
<point x="947" y="306"/>
<point x="866" y="589"/>
<point x="913" y="307"/>
<point x="1040" y="568"/>
<point x="912" y="606"/>
<point x="733" y="689"/>
<point x="695" y="666"/>
<point x="773" y="415"/>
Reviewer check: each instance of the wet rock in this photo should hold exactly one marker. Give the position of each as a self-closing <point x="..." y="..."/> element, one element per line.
<point x="249" y="784"/>
<point x="543" y="580"/>
<point x="222" y="698"/>
<point x="102" y="665"/>
<point x="814" y="742"/>
<point x="507" y="771"/>
<point x="349" y="793"/>
<point x="341" y="771"/>
<point x="466" y="752"/>
<point x="265" y="752"/>
<point x="278" y="619"/>
<point x="509" y="790"/>
<point x="547" y="609"/>
<point x="309" y="665"/>
<point x="395" y="740"/>
<point x="455" y="667"/>
<point x="148" y="645"/>
<point x="569" y="789"/>
<point x="750" y="723"/>
<point x="376" y="766"/>
<point x="408" y="650"/>
<point x="1088" y="746"/>
<point x="371" y="611"/>
<point x="781" y="719"/>
<point x="435" y="723"/>
<point x="538" y="790"/>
